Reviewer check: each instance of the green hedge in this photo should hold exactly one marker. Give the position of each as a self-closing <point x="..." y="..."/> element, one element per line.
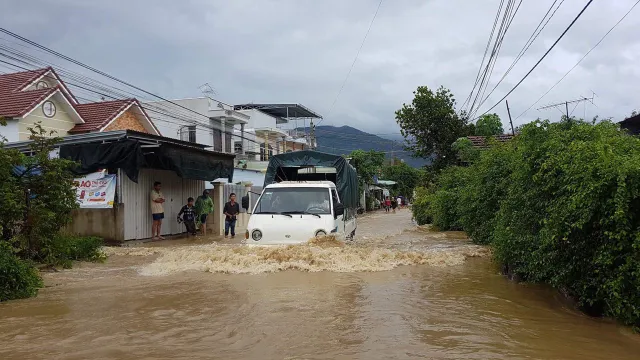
<point x="18" y="278"/>
<point x="561" y="205"/>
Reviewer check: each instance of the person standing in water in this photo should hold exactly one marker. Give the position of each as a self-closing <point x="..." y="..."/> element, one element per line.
<point x="387" y="204"/>
<point x="157" y="211"/>
<point x="231" y="211"/>
<point x="204" y="207"/>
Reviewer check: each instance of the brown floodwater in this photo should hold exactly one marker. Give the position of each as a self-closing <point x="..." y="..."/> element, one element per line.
<point x="397" y="292"/>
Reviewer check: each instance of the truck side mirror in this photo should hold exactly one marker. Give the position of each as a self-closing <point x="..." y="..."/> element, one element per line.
<point x="245" y="202"/>
<point x="338" y="209"/>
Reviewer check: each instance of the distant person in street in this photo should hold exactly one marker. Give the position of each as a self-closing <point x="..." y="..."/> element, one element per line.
<point x="188" y="213"/>
<point x="387" y="204"/>
<point x="231" y="211"/>
<point x="394" y="205"/>
<point x="157" y="210"/>
<point x="204" y="207"/>
<point x="399" y="202"/>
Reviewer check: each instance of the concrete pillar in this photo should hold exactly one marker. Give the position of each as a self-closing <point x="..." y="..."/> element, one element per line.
<point x="223" y="126"/>
<point x="218" y="204"/>
<point x="242" y="141"/>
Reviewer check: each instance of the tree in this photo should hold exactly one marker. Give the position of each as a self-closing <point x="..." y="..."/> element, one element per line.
<point x="405" y="176"/>
<point x="430" y="125"/>
<point x="36" y="196"/>
<point x="489" y="125"/>
<point x="367" y="164"/>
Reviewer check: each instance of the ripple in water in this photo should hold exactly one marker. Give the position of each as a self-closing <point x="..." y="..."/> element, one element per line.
<point x="322" y="254"/>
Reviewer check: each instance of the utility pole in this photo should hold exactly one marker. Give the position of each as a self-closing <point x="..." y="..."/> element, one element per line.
<point x="312" y="135"/>
<point x="513" y="131"/>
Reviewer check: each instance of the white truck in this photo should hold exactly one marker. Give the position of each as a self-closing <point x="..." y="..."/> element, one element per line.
<point x="298" y="203"/>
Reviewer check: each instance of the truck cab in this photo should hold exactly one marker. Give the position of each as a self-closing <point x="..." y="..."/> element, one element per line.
<point x="293" y="212"/>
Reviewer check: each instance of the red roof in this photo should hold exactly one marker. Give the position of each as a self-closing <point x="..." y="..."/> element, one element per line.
<point x="481" y="141"/>
<point x="17" y="81"/>
<point x="18" y="104"/>
<point x="14" y="102"/>
<point x="99" y="114"/>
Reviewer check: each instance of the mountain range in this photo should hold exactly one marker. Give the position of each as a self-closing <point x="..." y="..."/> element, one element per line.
<point x="344" y="139"/>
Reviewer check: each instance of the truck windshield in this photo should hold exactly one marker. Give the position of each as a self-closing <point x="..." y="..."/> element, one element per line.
<point x="294" y="200"/>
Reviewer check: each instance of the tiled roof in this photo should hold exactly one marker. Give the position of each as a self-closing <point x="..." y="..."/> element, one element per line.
<point x="17" y="81"/>
<point x="17" y="104"/>
<point x="480" y="141"/>
<point x="97" y="115"/>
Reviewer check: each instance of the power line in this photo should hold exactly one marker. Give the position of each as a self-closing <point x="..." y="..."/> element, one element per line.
<point x="353" y="64"/>
<point x="145" y="106"/>
<point x="507" y="19"/>
<point x="486" y="51"/>
<point x="543" y="56"/>
<point x="536" y="32"/>
<point x="579" y="61"/>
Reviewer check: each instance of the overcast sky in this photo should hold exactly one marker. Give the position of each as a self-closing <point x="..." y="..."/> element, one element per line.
<point x="301" y="50"/>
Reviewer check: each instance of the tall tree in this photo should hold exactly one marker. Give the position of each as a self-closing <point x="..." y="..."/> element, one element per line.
<point x="489" y="125"/>
<point x="367" y="164"/>
<point x="405" y="176"/>
<point x="430" y="125"/>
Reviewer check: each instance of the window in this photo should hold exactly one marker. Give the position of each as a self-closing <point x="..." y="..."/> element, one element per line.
<point x="263" y="155"/>
<point x="217" y="140"/>
<point x="192" y="133"/>
<point x="294" y="201"/>
<point x="270" y="151"/>
<point x="188" y="133"/>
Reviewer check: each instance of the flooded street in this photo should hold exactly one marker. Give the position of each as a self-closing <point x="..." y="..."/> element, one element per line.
<point x="399" y="292"/>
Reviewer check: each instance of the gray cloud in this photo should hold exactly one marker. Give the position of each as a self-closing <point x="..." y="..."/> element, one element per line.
<point x="301" y="50"/>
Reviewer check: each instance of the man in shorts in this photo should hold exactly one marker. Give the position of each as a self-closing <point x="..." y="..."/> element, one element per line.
<point x="157" y="210"/>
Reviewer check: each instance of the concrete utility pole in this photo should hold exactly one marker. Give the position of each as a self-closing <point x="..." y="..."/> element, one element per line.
<point x="513" y="131"/>
<point x="312" y="136"/>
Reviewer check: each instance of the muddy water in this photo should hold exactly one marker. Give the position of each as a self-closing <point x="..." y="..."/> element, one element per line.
<point x="397" y="293"/>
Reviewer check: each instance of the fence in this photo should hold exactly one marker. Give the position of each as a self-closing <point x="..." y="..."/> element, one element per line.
<point x="240" y="191"/>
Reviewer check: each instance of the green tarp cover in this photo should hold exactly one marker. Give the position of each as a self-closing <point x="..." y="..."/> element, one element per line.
<point x="285" y="167"/>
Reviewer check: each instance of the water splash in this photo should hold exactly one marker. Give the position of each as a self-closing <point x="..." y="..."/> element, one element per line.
<point x="319" y="254"/>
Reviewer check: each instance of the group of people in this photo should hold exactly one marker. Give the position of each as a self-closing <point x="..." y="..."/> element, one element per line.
<point x="390" y="204"/>
<point x="194" y="214"/>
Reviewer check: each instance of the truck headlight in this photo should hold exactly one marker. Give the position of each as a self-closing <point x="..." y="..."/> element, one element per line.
<point x="256" y="235"/>
<point x="321" y="233"/>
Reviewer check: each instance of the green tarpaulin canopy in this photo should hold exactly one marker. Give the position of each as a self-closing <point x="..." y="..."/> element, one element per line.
<point x="284" y="167"/>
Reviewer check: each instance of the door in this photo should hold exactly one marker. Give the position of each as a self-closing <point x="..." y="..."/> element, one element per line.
<point x="339" y="218"/>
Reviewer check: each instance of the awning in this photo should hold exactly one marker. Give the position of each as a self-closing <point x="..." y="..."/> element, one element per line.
<point x="386" y="182"/>
<point x="131" y="156"/>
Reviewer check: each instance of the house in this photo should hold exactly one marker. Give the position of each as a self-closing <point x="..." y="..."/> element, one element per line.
<point x="41" y="96"/>
<point x="120" y="139"/>
<point x="631" y="124"/>
<point x="29" y="97"/>
<point x="271" y="127"/>
<point x="138" y="160"/>
<point x="125" y="114"/>
<point x="200" y="120"/>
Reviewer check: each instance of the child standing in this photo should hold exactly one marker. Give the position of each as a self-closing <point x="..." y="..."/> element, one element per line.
<point x="188" y="213"/>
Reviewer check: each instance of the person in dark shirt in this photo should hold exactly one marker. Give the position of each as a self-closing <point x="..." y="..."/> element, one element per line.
<point x="231" y="211"/>
<point x="188" y="213"/>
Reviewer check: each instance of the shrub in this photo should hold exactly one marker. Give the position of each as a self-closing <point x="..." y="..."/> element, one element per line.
<point x="561" y="205"/>
<point x="443" y="203"/>
<point x="420" y="207"/>
<point x="18" y="278"/>
<point x="63" y="249"/>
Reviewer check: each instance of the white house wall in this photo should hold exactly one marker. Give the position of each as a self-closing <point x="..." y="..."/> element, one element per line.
<point x="11" y="131"/>
<point x="169" y="125"/>
<point x="137" y="201"/>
